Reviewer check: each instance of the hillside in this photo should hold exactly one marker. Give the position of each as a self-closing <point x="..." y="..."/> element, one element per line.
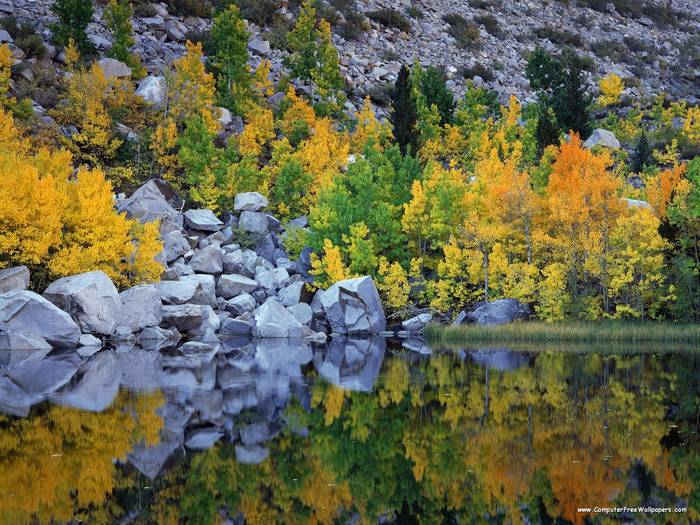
<point x="654" y="45"/>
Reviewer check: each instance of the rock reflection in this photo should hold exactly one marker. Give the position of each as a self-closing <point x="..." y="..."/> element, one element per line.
<point x="350" y="431"/>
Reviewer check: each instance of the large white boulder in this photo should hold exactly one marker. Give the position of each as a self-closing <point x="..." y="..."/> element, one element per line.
<point x="141" y="307"/>
<point x="203" y="220"/>
<point x="30" y="313"/>
<point x="602" y="137"/>
<point x="233" y="285"/>
<point x="272" y="320"/>
<point x="249" y="201"/>
<point x="148" y="204"/>
<point x="500" y="311"/>
<point x="90" y="298"/>
<point x="353" y="307"/>
<point x="113" y="68"/>
<point x="154" y="90"/>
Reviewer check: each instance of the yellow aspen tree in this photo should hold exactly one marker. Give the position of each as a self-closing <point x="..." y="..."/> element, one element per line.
<point x="611" y="87"/>
<point x="369" y="130"/>
<point x="636" y="261"/>
<point x="5" y="73"/>
<point x="258" y="132"/>
<point x="393" y="284"/>
<point x="329" y="268"/>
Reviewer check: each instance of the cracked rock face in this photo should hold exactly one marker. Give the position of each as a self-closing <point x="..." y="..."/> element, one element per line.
<point x="353" y="307"/>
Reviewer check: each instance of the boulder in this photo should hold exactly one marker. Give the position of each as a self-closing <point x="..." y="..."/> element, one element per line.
<point x="150" y="460"/>
<point x="499" y="359"/>
<point x="242" y="325"/>
<point x="178" y="292"/>
<point x="302" y="312"/>
<point x="206" y="293"/>
<point x="148" y="204"/>
<point x="30" y="313"/>
<point x="90" y="298"/>
<point x="141" y="307"/>
<point x="259" y="46"/>
<point x="500" y="311"/>
<point x="241" y="304"/>
<point x="208" y="260"/>
<point x="184" y="317"/>
<point x="15" y="278"/>
<point x="113" y="68"/>
<point x="253" y="222"/>
<point x="154" y="90"/>
<point x="417" y="324"/>
<point x="291" y="294"/>
<point x="233" y="285"/>
<point x="202" y="220"/>
<point x="91" y="341"/>
<point x="13" y="400"/>
<point x="271" y="280"/>
<point x="174" y="245"/>
<point x="249" y="201"/>
<point x="353" y="307"/>
<point x="602" y="137"/>
<point x="272" y="320"/>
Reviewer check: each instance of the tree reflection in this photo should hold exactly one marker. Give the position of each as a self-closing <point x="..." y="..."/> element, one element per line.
<point x="58" y="464"/>
<point x="442" y="440"/>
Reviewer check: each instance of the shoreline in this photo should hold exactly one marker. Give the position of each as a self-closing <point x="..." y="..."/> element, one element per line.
<point x="589" y="332"/>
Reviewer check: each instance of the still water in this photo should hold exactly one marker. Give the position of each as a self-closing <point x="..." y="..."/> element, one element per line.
<point x="348" y="433"/>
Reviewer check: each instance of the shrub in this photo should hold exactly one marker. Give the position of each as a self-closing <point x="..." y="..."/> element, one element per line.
<point x="559" y="37"/>
<point x="353" y="28"/>
<point x="260" y="12"/>
<point x="614" y="50"/>
<point x="478" y="4"/>
<point x="73" y="19"/>
<point x="32" y="45"/>
<point x="201" y="37"/>
<point x="277" y="34"/>
<point x="478" y="70"/>
<point x="490" y="23"/>
<point x="25" y="37"/>
<point x="43" y="87"/>
<point x="200" y="8"/>
<point x="414" y="12"/>
<point x="144" y="8"/>
<point x="465" y="32"/>
<point x="390" y="18"/>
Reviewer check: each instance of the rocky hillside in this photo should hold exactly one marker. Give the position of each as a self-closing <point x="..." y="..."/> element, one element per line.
<point x="654" y="44"/>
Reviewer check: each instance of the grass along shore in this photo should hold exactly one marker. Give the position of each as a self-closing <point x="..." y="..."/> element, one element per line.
<point x="565" y="332"/>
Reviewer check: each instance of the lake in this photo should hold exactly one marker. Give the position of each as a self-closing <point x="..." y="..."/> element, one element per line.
<point x="351" y="432"/>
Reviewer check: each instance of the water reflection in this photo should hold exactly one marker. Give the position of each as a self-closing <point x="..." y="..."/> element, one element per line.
<point x="348" y="432"/>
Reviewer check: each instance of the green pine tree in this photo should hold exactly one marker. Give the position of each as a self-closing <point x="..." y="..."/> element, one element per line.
<point x="434" y="91"/>
<point x="73" y="19"/>
<point x="118" y="15"/>
<point x="547" y="131"/>
<point x="230" y="59"/>
<point x="404" y="114"/>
